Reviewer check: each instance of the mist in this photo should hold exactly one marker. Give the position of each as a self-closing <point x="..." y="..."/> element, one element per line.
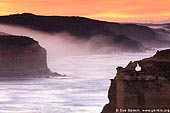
<point x="59" y="44"/>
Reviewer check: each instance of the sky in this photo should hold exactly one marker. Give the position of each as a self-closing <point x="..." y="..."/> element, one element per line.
<point x="108" y="10"/>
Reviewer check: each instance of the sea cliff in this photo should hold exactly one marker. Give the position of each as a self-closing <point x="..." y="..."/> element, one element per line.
<point x="147" y="88"/>
<point x="22" y="56"/>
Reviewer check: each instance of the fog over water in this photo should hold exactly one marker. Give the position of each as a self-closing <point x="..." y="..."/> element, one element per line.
<point x="83" y="90"/>
<point x="59" y="44"/>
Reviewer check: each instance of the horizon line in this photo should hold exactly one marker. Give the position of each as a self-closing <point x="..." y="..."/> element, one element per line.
<point x="116" y="21"/>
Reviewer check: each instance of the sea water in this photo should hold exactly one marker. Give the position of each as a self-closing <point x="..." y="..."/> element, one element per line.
<point x="83" y="90"/>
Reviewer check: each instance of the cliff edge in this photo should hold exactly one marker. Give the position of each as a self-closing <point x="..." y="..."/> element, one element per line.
<point x="141" y="85"/>
<point x="22" y="57"/>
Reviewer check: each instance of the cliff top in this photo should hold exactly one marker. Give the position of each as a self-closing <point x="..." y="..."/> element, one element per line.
<point x="162" y="55"/>
<point x="15" y="42"/>
<point x="153" y="68"/>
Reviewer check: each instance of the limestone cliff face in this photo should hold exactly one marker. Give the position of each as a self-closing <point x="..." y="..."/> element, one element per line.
<point x="22" y="57"/>
<point x="148" y="88"/>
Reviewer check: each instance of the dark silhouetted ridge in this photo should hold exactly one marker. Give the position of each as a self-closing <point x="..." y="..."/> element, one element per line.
<point x="84" y="28"/>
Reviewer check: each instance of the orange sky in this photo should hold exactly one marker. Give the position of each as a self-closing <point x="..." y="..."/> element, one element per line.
<point x="110" y="10"/>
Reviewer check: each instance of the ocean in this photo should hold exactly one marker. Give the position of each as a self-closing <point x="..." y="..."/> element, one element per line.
<point x="84" y="89"/>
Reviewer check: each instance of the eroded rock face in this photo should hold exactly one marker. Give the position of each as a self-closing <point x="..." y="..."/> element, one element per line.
<point x="148" y="88"/>
<point x="22" y="57"/>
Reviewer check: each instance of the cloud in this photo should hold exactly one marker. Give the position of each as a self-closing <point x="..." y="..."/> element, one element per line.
<point x="99" y="9"/>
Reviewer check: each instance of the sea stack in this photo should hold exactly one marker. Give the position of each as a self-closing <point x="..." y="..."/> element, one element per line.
<point x="139" y="90"/>
<point x="22" y="56"/>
